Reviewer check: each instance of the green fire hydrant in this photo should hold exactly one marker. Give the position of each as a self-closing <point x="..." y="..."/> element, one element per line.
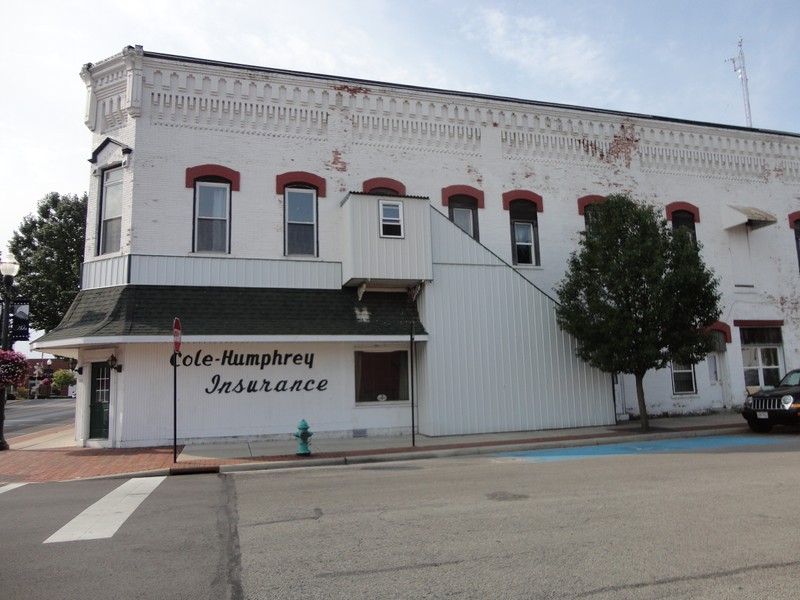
<point x="303" y="435"/>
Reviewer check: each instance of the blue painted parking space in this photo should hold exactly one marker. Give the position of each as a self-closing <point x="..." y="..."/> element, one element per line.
<point x="655" y="447"/>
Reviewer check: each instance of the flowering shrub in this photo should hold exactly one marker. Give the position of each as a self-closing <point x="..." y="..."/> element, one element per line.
<point x="13" y="368"/>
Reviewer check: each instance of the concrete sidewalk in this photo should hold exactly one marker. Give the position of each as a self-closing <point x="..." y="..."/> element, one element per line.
<point x="51" y="455"/>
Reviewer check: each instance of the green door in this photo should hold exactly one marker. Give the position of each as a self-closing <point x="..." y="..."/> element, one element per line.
<point x="99" y="401"/>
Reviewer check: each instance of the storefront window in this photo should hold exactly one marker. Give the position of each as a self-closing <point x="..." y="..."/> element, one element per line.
<point x="381" y="376"/>
<point x="762" y="356"/>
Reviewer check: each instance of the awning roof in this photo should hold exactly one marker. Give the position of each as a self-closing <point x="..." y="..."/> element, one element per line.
<point x="734" y="215"/>
<point x="145" y="313"/>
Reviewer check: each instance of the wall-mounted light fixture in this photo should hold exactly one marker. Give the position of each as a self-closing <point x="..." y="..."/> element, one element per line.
<point x="112" y="363"/>
<point x="73" y="366"/>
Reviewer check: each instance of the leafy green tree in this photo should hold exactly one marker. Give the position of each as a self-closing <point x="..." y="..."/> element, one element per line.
<point x="63" y="378"/>
<point x="637" y="294"/>
<point x="49" y="249"/>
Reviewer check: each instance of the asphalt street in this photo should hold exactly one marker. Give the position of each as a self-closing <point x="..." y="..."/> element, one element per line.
<point x="33" y="415"/>
<point x="700" y="520"/>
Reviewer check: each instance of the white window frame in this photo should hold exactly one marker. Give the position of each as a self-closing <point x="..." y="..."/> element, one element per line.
<point x="198" y="217"/>
<point x="288" y="223"/>
<point x="108" y="245"/>
<point x="681" y="369"/>
<point x="533" y="244"/>
<point x="470" y="212"/>
<point x="761" y="366"/>
<point x="391" y="221"/>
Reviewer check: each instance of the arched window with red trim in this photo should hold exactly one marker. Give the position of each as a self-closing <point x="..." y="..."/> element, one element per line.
<point x="523" y="213"/>
<point x="683" y="216"/>
<point x="383" y="186"/>
<point x="794" y="223"/>
<point x="586" y="206"/>
<point x="212" y="186"/>
<point x="463" y="202"/>
<point x="300" y="191"/>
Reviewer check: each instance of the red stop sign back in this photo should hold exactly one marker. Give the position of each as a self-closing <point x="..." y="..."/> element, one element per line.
<point x="176" y="334"/>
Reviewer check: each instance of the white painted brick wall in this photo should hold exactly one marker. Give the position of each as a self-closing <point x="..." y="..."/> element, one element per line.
<point x="349" y="133"/>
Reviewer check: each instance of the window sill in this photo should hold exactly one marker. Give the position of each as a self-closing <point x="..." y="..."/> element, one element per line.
<point x="529" y="267"/>
<point x="377" y="404"/>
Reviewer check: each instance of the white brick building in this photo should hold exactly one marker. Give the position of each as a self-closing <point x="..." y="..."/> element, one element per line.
<point x="302" y="226"/>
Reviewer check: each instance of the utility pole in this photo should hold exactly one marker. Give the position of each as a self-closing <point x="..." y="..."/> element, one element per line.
<point x="738" y="66"/>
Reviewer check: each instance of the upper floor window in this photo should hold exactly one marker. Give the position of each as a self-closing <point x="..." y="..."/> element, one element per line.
<point x="794" y="223"/>
<point x="212" y="216"/>
<point x="682" y="219"/>
<point x="587" y="205"/>
<point x="588" y="216"/>
<point x="213" y="185"/>
<point x="301" y="221"/>
<point x="463" y="211"/>
<point x="111" y="211"/>
<point x="391" y="219"/>
<point x="797" y="238"/>
<point x="683" y="216"/>
<point x="463" y="202"/>
<point x="300" y="191"/>
<point x="524" y="232"/>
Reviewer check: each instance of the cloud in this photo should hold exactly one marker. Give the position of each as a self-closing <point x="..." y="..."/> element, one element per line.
<point x="541" y="49"/>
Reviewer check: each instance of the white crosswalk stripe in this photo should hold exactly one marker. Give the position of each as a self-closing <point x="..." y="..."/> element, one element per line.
<point x="10" y="486"/>
<point x="103" y="518"/>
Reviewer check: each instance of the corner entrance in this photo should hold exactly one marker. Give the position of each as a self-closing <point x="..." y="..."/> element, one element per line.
<point x="99" y="401"/>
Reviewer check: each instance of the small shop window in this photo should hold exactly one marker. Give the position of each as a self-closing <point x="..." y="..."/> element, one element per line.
<point x="381" y="376"/>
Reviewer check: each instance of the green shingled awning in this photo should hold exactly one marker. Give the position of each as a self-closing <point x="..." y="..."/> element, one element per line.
<point x="139" y="311"/>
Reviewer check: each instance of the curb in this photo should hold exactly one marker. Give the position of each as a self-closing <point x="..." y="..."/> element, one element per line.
<point x="487" y="448"/>
<point x="481" y="448"/>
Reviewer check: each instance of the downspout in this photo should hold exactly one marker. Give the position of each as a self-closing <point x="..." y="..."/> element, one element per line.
<point x="411" y="365"/>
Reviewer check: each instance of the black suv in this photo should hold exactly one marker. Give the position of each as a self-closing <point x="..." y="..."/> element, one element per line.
<point x="777" y="406"/>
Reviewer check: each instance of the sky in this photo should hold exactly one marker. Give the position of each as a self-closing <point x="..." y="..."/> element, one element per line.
<point x="670" y="59"/>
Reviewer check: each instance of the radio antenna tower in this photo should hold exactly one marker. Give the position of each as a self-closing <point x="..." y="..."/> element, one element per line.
<point x="738" y="66"/>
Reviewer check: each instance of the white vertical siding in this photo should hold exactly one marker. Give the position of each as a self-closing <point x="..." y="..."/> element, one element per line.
<point x="212" y="271"/>
<point x="369" y="256"/>
<point x="496" y="359"/>
<point x="105" y="272"/>
<point x="147" y="401"/>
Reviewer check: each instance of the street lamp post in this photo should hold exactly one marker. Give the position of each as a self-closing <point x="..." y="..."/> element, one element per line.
<point x="9" y="268"/>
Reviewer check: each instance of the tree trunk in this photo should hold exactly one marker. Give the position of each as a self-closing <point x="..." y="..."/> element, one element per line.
<point x="640" y="397"/>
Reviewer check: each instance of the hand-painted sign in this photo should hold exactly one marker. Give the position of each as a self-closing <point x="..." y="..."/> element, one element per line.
<point x="256" y="360"/>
